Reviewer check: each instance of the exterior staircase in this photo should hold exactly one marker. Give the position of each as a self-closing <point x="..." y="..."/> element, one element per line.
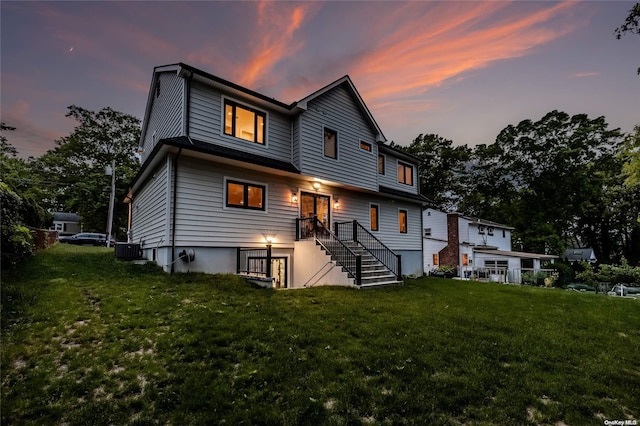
<point x="374" y="273"/>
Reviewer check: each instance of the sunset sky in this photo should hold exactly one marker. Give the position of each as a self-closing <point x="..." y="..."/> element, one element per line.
<point x="463" y="70"/>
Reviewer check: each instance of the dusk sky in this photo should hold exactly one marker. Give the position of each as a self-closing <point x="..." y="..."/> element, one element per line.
<point x="463" y="70"/>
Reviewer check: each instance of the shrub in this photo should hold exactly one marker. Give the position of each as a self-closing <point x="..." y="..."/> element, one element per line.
<point x="17" y="242"/>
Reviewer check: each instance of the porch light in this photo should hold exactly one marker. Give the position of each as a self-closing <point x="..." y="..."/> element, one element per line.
<point x="269" y="238"/>
<point x="316" y="185"/>
<point x="336" y="203"/>
<point x="294" y="197"/>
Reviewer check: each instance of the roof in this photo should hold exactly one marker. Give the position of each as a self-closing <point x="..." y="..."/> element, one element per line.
<point x="579" y="254"/>
<point x="403" y="194"/>
<point x="519" y="254"/>
<point x="185" y="70"/>
<point x="345" y="81"/>
<point x="388" y="149"/>
<point x="65" y="217"/>
<point x="478" y="221"/>
<point x="230" y="153"/>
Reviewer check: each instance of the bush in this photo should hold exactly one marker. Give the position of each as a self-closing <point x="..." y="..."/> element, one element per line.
<point x="614" y="274"/>
<point x="17" y="242"/>
<point x="536" y="279"/>
<point x="566" y="275"/>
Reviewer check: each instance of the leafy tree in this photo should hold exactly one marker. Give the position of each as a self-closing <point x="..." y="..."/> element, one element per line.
<point x="630" y="154"/>
<point x="557" y="181"/>
<point x="631" y="24"/>
<point x="74" y="171"/>
<point x="442" y="167"/>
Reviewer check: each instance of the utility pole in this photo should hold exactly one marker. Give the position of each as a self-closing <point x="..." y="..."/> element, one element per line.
<point x="111" y="171"/>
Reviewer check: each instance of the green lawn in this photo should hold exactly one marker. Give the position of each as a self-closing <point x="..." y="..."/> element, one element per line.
<point x="87" y="339"/>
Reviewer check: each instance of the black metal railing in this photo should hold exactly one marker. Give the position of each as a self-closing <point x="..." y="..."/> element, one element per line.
<point x="353" y="231"/>
<point x="312" y="228"/>
<point x="254" y="261"/>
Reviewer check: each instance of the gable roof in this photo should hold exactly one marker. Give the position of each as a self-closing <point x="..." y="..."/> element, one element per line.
<point x="348" y="84"/>
<point x="579" y="254"/>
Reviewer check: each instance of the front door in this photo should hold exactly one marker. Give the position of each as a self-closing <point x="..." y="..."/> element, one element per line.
<point x="316" y="205"/>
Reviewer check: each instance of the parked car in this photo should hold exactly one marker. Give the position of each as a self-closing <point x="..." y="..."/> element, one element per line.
<point x="87" y="239"/>
<point x="581" y="287"/>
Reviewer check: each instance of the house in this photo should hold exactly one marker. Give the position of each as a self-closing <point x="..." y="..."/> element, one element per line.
<point x="303" y="194"/>
<point x="65" y="223"/>
<point x="583" y="254"/>
<point x="475" y="247"/>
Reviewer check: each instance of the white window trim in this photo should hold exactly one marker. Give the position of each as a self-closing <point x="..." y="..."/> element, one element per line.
<point x="250" y="182"/>
<point x="225" y="98"/>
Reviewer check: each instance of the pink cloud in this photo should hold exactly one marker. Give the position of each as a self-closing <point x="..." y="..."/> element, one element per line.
<point x="585" y="74"/>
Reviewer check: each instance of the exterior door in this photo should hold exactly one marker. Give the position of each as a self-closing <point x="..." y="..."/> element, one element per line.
<point x="279" y="272"/>
<point x="316" y="205"/>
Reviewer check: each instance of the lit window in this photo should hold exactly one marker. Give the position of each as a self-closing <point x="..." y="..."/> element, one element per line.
<point x="330" y="143"/>
<point x="402" y="221"/>
<point x="243" y="122"/>
<point x="465" y="259"/>
<point x="245" y="195"/>
<point x="380" y="164"/>
<point x="405" y="174"/>
<point x="365" y="146"/>
<point x="436" y="259"/>
<point x="373" y="213"/>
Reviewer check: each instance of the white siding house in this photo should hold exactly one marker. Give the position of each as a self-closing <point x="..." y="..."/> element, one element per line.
<point x="474" y="247"/>
<point x="234" y="181"/>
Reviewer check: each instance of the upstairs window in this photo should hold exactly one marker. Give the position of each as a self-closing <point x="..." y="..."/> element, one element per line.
<point x="330" y="143"/>
<point x="365" y="146"/>
<point x="245" y="195"/>
<point x="405" y="174"/>
<point x="381" y="161"/>
<point x="244" y="122"/>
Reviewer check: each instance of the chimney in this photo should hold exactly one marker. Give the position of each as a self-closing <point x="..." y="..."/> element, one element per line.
<point x="450" y="255"/>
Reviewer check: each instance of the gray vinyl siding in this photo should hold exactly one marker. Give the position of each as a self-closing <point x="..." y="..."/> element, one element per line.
<point x="337" y="110"/>
<point x="206" y="124"/>
<point x="390" y="178"/>
<point x="203" y="219"/>
<point x="149" y="210"/>
<point x="355" y="206"/>
<point x="296" y="142"/>
<point x="165" y="119"/>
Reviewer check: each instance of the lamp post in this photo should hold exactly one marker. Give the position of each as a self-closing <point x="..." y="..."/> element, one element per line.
<point x="111" y="171"/>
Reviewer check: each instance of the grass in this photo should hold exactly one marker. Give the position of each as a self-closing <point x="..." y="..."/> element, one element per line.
<point x="88" y="339"/>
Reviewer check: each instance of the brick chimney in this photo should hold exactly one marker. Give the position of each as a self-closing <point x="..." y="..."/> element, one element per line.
<point x="450" y="255"/>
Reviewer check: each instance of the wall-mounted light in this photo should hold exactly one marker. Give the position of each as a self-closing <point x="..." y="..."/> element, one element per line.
<point x="336" y="203"/>
<point x="316" y="185"/>
<point x="294" y="197"/>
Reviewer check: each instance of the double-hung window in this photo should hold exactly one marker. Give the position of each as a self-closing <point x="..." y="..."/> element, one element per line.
<point x="405" y="173"/>
<point x="330" y="143"/>
<point x="244" y="122"/>
<point x="245" y="195"/>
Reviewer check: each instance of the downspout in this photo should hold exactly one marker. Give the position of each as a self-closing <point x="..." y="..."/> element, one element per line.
<point x="175" y="171"/>
<point x="174" y="208"/>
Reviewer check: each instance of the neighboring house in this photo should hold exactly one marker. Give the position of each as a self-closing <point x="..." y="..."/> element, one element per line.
<point x="584" y="254"/>
<point x="475" y="247"/>
<point x="65" y="223"/>
<point x="228" y="171"/>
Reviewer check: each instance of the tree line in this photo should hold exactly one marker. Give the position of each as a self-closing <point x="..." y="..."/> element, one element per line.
<point x="562" y="182"/>
<point x="70" y="177"/>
